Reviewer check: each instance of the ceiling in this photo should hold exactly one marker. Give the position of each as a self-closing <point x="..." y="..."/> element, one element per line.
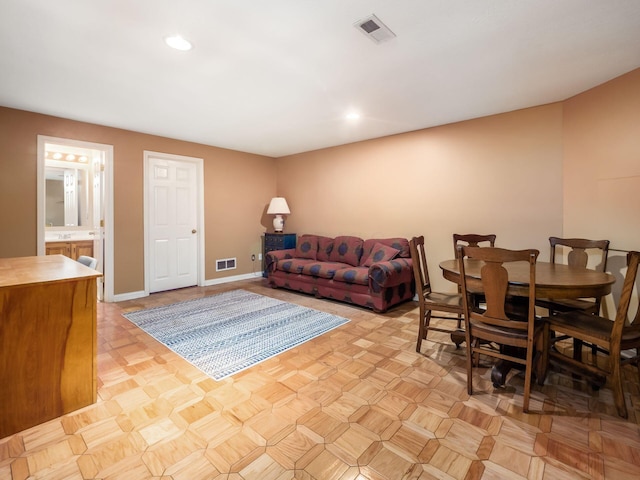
<point x="277" y="77"/>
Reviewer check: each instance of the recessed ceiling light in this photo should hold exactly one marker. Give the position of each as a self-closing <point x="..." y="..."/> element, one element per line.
<point x="352" y="116"/>
<point x="57" y="155"/>
<point x="178" y="42"/>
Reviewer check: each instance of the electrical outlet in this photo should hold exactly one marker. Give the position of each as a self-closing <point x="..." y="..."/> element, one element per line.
<point x="259" y="256"/>
<point x="253" y="257"/>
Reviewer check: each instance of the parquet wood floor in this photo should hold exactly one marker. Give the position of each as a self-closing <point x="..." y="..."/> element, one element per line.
<point x="355" y="403"/>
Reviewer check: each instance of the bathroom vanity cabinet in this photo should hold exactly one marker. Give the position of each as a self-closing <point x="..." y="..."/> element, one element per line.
<point x="71" y="249"/>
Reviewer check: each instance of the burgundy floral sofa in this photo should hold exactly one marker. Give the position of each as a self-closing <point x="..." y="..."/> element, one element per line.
<point x="374" y="273"/>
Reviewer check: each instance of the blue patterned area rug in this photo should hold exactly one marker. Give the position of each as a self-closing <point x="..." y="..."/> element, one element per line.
<point x="226" y="333"/>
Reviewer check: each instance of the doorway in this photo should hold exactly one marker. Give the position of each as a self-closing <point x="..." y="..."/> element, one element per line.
<point x="75" y="202"/>
<point x="174" y="221"/>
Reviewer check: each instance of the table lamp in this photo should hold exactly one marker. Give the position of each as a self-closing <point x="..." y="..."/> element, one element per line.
<point x="278" y="207"/>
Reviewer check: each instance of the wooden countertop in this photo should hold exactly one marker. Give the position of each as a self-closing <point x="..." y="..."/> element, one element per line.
<point x="20" y="271"/>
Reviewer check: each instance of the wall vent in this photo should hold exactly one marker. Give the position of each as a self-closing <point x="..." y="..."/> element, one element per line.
<point x="373" y="28"/>
<point x="225" y="264"/>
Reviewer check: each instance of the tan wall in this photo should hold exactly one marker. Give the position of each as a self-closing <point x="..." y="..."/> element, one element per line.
<point x="569" y="168"/>
<point x="602" y="162"/>
<point x="500" y="174"/>
<point x="238" y="187"/>
<point x="602" y="171"/>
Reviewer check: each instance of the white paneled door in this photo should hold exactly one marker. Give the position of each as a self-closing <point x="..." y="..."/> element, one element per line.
<point x="172" y="199"/>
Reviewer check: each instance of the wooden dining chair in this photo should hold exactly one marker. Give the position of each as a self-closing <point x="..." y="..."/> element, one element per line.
<point x="496" y="324"/>
<point x="612" y="337"/>
<point x="578" y="256"/>
<point x="473" y="240"/>
<point x="431" y="301"/>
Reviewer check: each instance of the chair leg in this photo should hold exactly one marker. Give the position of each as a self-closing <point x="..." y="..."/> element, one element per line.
<point x="538" y="358"/>
<point x="544" y="361"/>
<point x="616" y="384"/>
<point x="425" y="319"/>
<point x="469" y="368"/>
<point x="476" y="359"/>
<point x="528" y="371"/>
<point x="476" y="355"/>
<point x="577" y="349"/>
<point x="470" y="345"/>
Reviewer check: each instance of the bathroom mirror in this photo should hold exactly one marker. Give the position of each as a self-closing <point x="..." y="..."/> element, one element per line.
<point x="66" y="195"/>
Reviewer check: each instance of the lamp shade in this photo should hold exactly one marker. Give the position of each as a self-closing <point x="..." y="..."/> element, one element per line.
<point x="278" y="206"/>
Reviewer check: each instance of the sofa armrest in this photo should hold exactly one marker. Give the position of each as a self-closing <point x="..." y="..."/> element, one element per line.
<point x="272" y="258"/>
<point x="391" y="273"/>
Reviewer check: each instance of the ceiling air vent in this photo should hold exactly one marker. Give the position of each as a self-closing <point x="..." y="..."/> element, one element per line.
<point x="373" y="28"/>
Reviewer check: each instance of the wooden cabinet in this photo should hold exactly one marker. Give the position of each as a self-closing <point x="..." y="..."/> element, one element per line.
<point x="58" y="248"/>
<point x="276" y="241"/>
<point x="48" y="341"/>
<point x="70" y="249"/>
<point x="279" y="241"/>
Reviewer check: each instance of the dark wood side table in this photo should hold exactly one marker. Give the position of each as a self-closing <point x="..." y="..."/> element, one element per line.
<point x="276" y="241"/>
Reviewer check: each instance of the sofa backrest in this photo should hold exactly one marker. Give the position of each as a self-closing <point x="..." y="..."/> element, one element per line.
<point x="315" y="247"/>
<point x="325" y="246"/>
<point x="346" y="249"/>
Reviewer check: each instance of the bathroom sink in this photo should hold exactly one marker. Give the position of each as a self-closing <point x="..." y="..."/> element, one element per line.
<point x="69" y="236"/>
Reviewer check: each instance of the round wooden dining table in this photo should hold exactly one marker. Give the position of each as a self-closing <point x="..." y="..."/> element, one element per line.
<point x="553" y="280"/>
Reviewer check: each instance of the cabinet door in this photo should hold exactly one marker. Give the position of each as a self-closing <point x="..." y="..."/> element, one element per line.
<point x="83" y="248"/>
<point x="58" y="248"/>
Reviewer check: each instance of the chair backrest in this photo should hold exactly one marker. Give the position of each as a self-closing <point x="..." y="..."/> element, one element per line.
<point x="420" y="269"/>
<point x="472" y="240"/>
<point x="88" y="261"/>
<point x="621" y="321"/>
<point x="578" y="255"/>
<point x="494" y="283"/>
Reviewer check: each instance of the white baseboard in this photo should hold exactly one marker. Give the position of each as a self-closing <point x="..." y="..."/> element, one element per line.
<point x="216" y="281"/>
<point x="235" y="278"/>
<point x="121" y="297"/>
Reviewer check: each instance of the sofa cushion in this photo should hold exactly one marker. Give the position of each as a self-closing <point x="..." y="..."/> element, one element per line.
<point x="347" y="249"/>
<point x="323" y="269"/>
<point x="357" y="275"/>
<point x="401" y="244"/>
<point x="325" y="245"/>
<point x="307" y="247"/>
<point x="380" y="253"/>
<point x="293" y="265"/>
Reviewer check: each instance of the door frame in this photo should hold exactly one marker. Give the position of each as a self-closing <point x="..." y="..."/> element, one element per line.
<point x="199" y="162"/>
<point x="108" y="229"/>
